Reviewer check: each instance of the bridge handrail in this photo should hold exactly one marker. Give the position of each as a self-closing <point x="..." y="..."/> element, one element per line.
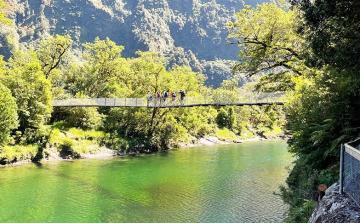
<point x="161" y="102"/>
<point x="350" y="170"/>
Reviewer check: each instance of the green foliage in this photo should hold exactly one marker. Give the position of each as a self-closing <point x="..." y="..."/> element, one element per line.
<point x="58" y="136"/>
<point x="85" y="118"/>
<point x="225" y="135"/>
<point x="32" y="76"/>
<point x="115" y="142"/>
<point x="3" y="17"/>
<point x="269" y="42"/>
<point x="30" y="88"/>
<point x="103" y="66"/>
<point x="319" y="54"/>
<point x="8" y="114"/>
<point x="89" y="134"/>
<point x="226" y="118"/>
<point x="10" y="154"/>
<point x="199" y="122"/>
<point x="301" y="214"/>
<point x="51" y="52"/>
<point x="332" y="33"/>
<point x="75" y="142"/>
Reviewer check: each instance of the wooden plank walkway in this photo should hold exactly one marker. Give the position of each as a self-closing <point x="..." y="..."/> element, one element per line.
<point x="169" y="103"/>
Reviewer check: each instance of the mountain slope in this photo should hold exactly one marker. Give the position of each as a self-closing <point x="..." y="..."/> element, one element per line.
<point x="190" y="32"/>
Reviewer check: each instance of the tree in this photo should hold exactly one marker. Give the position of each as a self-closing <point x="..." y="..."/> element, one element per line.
<point x="226" y="118"/>
<point x="332" y="32"/>
<point x="103" y="68"/>
<point x="317" y="54"/>
<point x="269" y="44"/>
<point x="3" y="16"/>
<point x="8" y="114"/>
<point x="52" y="51"/>
<point x="30" y="88"/>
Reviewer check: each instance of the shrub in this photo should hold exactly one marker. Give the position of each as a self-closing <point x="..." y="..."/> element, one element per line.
<point x="56" y="137"/>
<point x="245" y="133"/>
<point x="35" y="136"/>
<point x="85" y="118"/>
<point x="226" y="118"/>
<point x="114" y="142"/>
<point x="198" y="122"/>
<point x="86" y="134"/>
<point x="8" y="114"/>
<point x="10" y="154"/>
<point x="302" y="213"/>
<point x="74" y="142"/>
<point x="85" y="147"/>
<point x="30" y="88"/>
<point x="225" y="134"/>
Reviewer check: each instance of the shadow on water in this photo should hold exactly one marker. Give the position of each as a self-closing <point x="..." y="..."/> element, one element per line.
<point x="164" y="153"/>
<point x="37" y="164"/>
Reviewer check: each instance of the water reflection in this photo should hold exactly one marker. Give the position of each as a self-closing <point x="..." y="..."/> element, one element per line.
<point x="230" y="183"/>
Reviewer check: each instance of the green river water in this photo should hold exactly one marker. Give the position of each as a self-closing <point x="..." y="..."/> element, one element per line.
<point x="228" y="183"/>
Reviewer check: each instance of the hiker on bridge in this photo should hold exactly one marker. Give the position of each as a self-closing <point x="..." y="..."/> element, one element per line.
<point x="165" y="95"/>
<point x="182" y="96"/>
<point x="150" y="97"/>
<point x="173" y="96"/>
<point x="158" y="97"/>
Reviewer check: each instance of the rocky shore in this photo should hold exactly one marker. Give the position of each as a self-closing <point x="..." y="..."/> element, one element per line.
<point x="52" y="154"/>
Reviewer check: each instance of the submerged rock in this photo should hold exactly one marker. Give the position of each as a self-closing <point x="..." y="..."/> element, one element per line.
<point x="336" y="208"/>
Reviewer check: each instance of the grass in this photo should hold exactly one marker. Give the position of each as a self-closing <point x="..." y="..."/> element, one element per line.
<point x="225" y="134"/>
<point x="276" y="131"/>
<point x="85" y="147"/>
<point x="74" y="142"/>
<point x="301" y="214"/>
<point x="246" y="134"/>
<point x="85" y="134"/>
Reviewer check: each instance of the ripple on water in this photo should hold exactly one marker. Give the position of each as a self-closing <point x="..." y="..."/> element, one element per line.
<point x="218" y="184"/>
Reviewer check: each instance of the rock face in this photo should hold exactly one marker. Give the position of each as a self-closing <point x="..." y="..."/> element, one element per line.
<point x="190" y="32"/>
<point x="336" y="208"/>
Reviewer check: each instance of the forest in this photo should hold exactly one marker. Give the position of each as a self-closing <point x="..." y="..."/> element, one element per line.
<point x="33" y="77"/>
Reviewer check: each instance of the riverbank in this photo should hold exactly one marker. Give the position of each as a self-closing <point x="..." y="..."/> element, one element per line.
<point x="53" y="154"/>
<point x="213" y="140"/>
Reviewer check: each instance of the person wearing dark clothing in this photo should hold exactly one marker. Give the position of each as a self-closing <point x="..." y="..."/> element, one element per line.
<point x="149" y="99"/>
<point x="173" y="96"/>
<point x="165" y="95"/>
<point x="182" y="96"/>
<point x="158" y="98"/>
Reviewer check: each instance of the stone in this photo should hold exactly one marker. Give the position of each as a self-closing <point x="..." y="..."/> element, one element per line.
<point x="335" y="208"/>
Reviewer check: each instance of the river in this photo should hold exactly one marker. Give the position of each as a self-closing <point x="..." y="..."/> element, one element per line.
<point x="227" y="183"/>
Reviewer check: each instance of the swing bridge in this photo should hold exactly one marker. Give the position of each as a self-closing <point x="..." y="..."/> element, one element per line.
<point x="263" y="99"/>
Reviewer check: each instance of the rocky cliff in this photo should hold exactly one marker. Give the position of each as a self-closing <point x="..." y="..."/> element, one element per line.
<point x="190" y="32"/>
<point x="335" y="208"/>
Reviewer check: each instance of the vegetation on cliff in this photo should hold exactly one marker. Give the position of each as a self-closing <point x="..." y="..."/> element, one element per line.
<point x="312" y="51"/>
<point x="187" y="32"/>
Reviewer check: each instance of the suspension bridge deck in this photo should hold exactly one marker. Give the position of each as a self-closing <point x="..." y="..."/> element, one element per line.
<point x="160" y="103"/>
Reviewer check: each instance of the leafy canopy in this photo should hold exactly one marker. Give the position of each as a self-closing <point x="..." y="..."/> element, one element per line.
<point x="8" y="114"/>
<point x="3" y="17"/>
<point x="52" y="51"/>
<point x="269" y="43"/>
<point x="32" y="91"/>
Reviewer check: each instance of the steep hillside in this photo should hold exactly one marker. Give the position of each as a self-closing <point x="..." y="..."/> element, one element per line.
<point x="188" y="32"/>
